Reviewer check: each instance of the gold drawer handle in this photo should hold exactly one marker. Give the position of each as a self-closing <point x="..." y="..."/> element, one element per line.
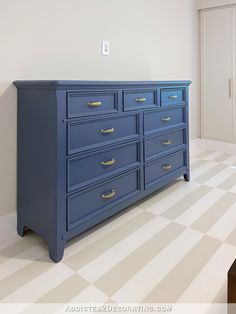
<point x="173" y="97"/>
<point x="166" y="119"/>
<point x="109" y="195"/>
<point x="167" y="167"/>
<point x="108" y="131"/>
<point x="141" y="100"/>
<point x="108" y="163"/>
<point x="94" y="104"/>
<point x="167" y="142"/>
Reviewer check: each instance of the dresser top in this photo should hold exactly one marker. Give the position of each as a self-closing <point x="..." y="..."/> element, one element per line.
<point x="60" y="84"/>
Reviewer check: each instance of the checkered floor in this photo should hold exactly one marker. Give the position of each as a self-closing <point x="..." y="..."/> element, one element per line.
<point x="175" y="246"/>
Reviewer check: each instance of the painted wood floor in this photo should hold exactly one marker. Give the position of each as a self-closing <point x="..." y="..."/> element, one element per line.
<point x="175" y="246"/>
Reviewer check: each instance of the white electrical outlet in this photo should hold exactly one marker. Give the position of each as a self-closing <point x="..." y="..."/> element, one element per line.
<point x="105" y="48"/>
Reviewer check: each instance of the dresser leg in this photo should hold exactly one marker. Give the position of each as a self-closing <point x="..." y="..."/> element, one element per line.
<point x="56" y="251"/>
<point x="20" y="228"/>
<point x="187" y="177"/>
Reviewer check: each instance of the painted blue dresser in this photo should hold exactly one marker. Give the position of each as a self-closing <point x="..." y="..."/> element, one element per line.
<point x="87" y="150"/>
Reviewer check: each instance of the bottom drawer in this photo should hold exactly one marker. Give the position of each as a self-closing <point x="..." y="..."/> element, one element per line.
<point x="90" y="202"/>
<point x="162" y="167"/>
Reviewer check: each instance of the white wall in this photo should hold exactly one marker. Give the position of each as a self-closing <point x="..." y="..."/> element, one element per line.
<point x="204" y="4"/>
<point x="60" y="39"/>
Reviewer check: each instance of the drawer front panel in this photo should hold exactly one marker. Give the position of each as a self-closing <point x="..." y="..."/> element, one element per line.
<point x="162" y="167"/>
<point x="93" y="167"/>
<point x="172" y="96"/>
<point x="88" y="203"/>
<point x="139" y="99"/>
<point x="93" y="134"/>
<point x="162" y="143"/>
<point x="154" y="121"/>
<point x="79" y="104"/>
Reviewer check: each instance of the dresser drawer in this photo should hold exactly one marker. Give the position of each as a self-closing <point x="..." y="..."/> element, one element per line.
<point x="91" y="103"/>
<point x="133" y="100"/>
<point x="172" y="96"/>
<point x="155" y="120"/>
<point x="89" y="168"/>
<point x="90" y="134"/>
<point x="89" y="203"/>
<point x="162" y="167"/>
<point x="155" y="145"/>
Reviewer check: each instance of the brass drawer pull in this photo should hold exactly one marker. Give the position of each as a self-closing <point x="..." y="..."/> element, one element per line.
<point x="141" y="100"/>
<point x="166" y="142"/>
<point x="166" y="119"/>
<point x="108" y="163"/>
<point x="109" y="195"/>
<point x="167" y="167"/>
<point x="94" y="104"/>
<point x="108" y="131"/>
<point x="173" y="97"/>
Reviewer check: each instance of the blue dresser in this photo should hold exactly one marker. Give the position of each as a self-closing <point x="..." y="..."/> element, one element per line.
<point x="87" y="150"/>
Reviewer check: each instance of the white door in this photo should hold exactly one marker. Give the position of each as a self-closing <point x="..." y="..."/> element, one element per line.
<point x="217" y="40"/>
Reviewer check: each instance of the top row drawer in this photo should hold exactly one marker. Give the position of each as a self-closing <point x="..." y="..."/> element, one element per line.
<point x="173" y="96"/>
<point x="103" y="102"/>
<point x="91" y="103"/>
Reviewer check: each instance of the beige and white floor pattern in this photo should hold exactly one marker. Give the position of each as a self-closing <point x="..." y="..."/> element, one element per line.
<point x="175" y="246"/>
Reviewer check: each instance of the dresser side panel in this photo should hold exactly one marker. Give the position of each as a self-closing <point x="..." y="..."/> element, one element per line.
<point x="37" y="161"/>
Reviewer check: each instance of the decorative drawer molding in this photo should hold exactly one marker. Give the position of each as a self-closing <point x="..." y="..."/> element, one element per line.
<point x="159" y="120"/>
<point x="103" y="131"/>
<point x="90" y="168"/>
<point x="173" y="96"/>
<point x="91" y="103"/>
<point x="165" y="166"/>
<point x="88" y="203"/>
<point x="140" y="99"/>
<point x="164" y="143"/>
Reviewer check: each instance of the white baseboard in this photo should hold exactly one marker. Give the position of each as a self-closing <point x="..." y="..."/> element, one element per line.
<point x="200" y="144"/>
